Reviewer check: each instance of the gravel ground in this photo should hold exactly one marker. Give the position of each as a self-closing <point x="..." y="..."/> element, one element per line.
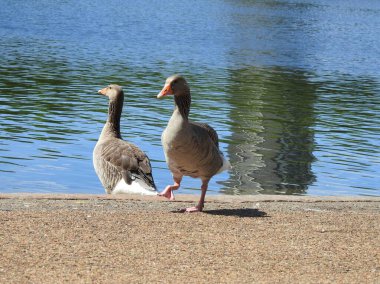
<point x="100" y="239"/>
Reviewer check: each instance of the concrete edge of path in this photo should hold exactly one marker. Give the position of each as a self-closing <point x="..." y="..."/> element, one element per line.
<point x="188" y="198"/>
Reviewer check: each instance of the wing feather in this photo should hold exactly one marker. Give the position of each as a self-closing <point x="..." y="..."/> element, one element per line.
<point x="210" y="131"/>
<point x="119" y="159"/>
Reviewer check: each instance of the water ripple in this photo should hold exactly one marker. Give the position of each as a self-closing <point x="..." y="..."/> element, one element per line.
<point x="291" y="87"/>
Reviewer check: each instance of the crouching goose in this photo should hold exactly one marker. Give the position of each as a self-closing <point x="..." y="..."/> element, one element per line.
<point x="191" y="149"/>
<point x="121" y="166"/>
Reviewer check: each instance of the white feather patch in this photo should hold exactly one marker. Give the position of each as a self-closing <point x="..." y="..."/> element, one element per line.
<point x="226" y="165"/>
<point x="137" y="186"/>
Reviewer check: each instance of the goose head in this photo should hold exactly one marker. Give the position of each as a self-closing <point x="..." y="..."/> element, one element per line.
<point x="175" y="85"/>
<point x="111" y="91"/>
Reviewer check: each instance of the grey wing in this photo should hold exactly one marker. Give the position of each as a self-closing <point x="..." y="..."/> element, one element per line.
<point x="204" y="143"/>
<point x="210" y="131"/>
<point x="141" y="167"/>
<point x="126" y="161"/>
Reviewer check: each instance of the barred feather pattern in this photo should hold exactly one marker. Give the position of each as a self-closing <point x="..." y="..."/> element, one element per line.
<point x="115" y="159"/>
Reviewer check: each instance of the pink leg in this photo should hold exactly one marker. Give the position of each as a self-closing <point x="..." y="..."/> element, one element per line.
<point x="199" y="207"/>
<point x="168" y="191"/>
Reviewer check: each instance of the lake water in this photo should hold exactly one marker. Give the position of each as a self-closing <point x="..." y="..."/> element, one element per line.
<point x="292" y="87"/>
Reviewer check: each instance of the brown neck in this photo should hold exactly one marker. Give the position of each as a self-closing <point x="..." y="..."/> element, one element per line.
<point x="115" y="108"/>
<point x="182" y="103"/>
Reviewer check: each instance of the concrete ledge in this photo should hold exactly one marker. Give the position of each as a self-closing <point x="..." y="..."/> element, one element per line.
<point x="193" y="198"/>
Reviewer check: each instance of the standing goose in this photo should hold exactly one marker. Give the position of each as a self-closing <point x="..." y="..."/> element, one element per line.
<point x="191" y="148"/>
<point x="121" y="166"/>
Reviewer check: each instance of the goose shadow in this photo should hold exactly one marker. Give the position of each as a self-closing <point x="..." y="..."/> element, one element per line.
<point x="238" y="212"/>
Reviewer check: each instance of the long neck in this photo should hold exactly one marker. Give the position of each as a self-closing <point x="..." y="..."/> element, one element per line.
<point x="182" y="104"/>
<point x="112" y="126"/>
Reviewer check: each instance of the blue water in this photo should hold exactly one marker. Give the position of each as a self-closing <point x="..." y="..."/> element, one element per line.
<point x="292" y="87"/>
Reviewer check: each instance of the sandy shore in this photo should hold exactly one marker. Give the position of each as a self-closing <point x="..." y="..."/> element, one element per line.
<point x="134" y="239"/>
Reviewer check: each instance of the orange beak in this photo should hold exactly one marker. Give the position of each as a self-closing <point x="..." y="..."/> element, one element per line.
<point x="167" y="90"/>
<point x="103" y="91"/>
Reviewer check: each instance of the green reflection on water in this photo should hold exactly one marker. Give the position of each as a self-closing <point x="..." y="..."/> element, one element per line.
<point x="273" y="139"/>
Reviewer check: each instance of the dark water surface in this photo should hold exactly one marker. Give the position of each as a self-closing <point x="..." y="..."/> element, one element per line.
<point x="292" y="87"/>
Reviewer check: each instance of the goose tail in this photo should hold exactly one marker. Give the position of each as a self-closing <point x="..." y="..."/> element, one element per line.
<point x="226" y="164"/>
